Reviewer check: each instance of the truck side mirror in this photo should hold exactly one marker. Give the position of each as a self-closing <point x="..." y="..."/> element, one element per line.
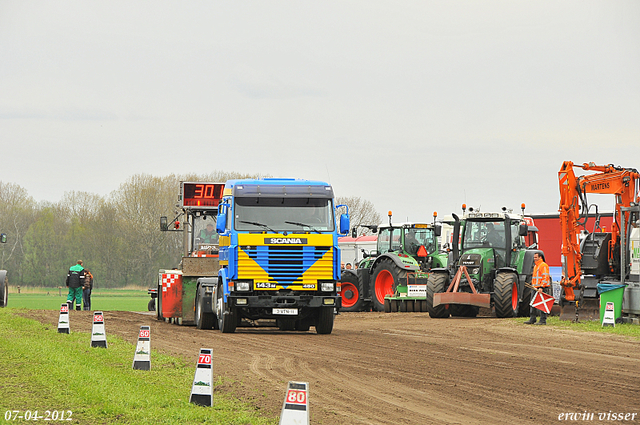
<point x="221" y="222"/>
<point x="344" y="224"/>
<point x="523" y="230"/>
<point x="164" y="224"/>
<point x="3" y="238"/>
<point x="438" y="230"/>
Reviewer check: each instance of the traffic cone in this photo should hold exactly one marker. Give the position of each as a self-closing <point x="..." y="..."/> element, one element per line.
<point x="142" y="357"/>
<point x="63" y="319"/>
<point x="202" y="388"/>
<point x="98" y="336"/>
<point x="295" y="409"/>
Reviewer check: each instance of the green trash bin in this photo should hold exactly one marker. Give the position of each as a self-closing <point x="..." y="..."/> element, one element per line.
<point x="610" y="292"/>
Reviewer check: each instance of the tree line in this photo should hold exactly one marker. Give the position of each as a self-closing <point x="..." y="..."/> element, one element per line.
<point x="117" y="236"/>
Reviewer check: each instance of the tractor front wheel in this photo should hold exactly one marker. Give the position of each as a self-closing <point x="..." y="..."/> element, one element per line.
<point x="436" y="283"/>
<point x="505" y="291"/>
<point x="385" y="278"/>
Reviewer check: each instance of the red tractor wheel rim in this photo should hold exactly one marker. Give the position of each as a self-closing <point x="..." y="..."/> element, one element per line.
<point x="349" y="289"/>
<point x="384" y="285"/>
<point x="514" y="296"/>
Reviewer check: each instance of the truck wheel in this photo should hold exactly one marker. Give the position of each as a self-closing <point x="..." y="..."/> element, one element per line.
<point x="227" y="321"/>
<point x="385" y="278"/>
<point x="203" y="320"/>
<point x="436" y="283"/>
<point x="505" y="291"/>
<point x="525" y="308"/>
<point x="325" y="320"/>
<point x="351" y="293"/>
<point x="4" y="291"/>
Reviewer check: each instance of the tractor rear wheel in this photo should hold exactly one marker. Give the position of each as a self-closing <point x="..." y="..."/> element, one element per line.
<point x="351" y="293"/>
<point x="385" y="278"/>
<point x="505" y="291"/>
<point x="436" y="283"/>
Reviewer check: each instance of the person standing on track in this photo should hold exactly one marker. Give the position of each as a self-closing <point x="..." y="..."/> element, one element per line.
<point x="75" y="282"/>
<point x="541" y="280"/>
<point x="86" y="290"/>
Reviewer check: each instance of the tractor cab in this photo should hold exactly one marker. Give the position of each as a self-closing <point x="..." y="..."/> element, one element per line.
<point x="410" y="240"/>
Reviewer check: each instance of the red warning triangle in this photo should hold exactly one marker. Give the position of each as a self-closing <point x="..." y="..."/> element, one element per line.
<point x="422" y="251"/>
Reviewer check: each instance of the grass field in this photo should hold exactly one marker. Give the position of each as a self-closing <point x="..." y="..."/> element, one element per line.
<point x="101" y="299"/>
<point x="43" y="370"/>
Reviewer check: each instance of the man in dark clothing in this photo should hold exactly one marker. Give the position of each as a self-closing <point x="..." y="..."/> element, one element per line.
<point x="75" y="282"/>
<point x="86" y="290"/>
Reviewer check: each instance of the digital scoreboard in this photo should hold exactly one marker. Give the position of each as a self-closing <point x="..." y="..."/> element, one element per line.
<point x="201" y="195"/>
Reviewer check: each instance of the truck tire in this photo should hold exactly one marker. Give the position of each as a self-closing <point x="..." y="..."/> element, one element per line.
<point x="227" y="320"/>
<point x="324" y="325"/>
<point x="436" y="283"/>
<point x="351" y="293"/>
<point x="505" y="294"/>
<point x="4" y="291"/>
<point x="203" y="320"/>
<point x="525" y="308"/>
<point x="152" y="305"/>
<point x="385" y="278"/>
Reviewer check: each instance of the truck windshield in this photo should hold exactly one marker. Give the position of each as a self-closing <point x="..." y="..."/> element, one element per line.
<point x="294" y="215"/>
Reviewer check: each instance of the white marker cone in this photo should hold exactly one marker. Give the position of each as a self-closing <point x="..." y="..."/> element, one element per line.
<point x="142" y="357"/>
<point x="295" y="409"/>
<point x="63" y="319"/>
<point x="98" y="336"/>
<point x="202" y="388"/>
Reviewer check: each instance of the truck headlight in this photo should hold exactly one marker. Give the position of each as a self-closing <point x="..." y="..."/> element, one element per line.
<point x="326" y="286"/>
<point x="243" y="286"/>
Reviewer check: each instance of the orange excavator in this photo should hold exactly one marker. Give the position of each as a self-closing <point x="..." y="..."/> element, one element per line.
<point x="598" y="257"/>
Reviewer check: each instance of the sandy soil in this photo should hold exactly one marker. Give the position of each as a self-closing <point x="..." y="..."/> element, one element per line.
<point x="406" y="368"/>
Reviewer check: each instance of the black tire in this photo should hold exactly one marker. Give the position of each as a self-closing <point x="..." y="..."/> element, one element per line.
<point x="227" y="320"/>
<point x="436" y="283"/>
<point x="286" y="324"/>
<point x="525" y="308"/>
<point x="417" y="306"/>
<point x="324" y="325"/>
<point x="505" y="294"/>
<point x="4" y="291"/>
<point x="351" y="293"/>
<point x="302" y="325"/>
<point x="423" y="304"/>
<point x="410" y="306"/>
<point x="387" y="305"/>
<point x="203" y="320"/>
<point x="394" y="306"/>
<point x="403" y="306"/>
<point x="384" y="280"/>
<point x="152" y="305"/>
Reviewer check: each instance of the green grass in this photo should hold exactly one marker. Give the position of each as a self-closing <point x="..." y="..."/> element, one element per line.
<point x="101" y="299"/>
<point x="625" y="329"/>
<point x="41" y="369"/>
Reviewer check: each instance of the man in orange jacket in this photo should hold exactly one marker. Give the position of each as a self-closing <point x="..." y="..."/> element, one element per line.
<point x="541" y="280"/>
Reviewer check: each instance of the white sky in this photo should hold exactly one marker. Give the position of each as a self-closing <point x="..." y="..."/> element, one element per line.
<point x="414" y="105"/>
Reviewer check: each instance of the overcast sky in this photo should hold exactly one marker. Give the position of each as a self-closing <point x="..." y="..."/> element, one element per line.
<point x="416" y="106"/>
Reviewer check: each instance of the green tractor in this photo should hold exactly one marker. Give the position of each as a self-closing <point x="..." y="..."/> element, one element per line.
<point x="395" y="276"/>
<point x="488" y="267"/>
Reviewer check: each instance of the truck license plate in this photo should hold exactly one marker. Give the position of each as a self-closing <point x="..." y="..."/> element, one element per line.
<point x="287" y="311"/>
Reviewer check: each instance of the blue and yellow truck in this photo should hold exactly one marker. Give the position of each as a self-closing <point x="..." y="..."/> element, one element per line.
<point x="278" y="257"/>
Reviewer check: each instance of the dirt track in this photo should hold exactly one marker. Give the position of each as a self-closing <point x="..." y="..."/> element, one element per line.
<point x="407" y="368"/>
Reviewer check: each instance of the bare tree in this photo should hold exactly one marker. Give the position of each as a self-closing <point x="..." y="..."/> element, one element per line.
<point x="361" y="212"/>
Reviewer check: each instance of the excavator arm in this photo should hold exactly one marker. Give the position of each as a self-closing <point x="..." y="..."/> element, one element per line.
<point x="621" y="182"/>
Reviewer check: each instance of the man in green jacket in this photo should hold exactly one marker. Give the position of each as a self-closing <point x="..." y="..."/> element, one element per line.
<point x="75" y="281"/>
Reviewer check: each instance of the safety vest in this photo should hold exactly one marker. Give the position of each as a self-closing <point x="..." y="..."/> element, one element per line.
<point x="541" y="277"/>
